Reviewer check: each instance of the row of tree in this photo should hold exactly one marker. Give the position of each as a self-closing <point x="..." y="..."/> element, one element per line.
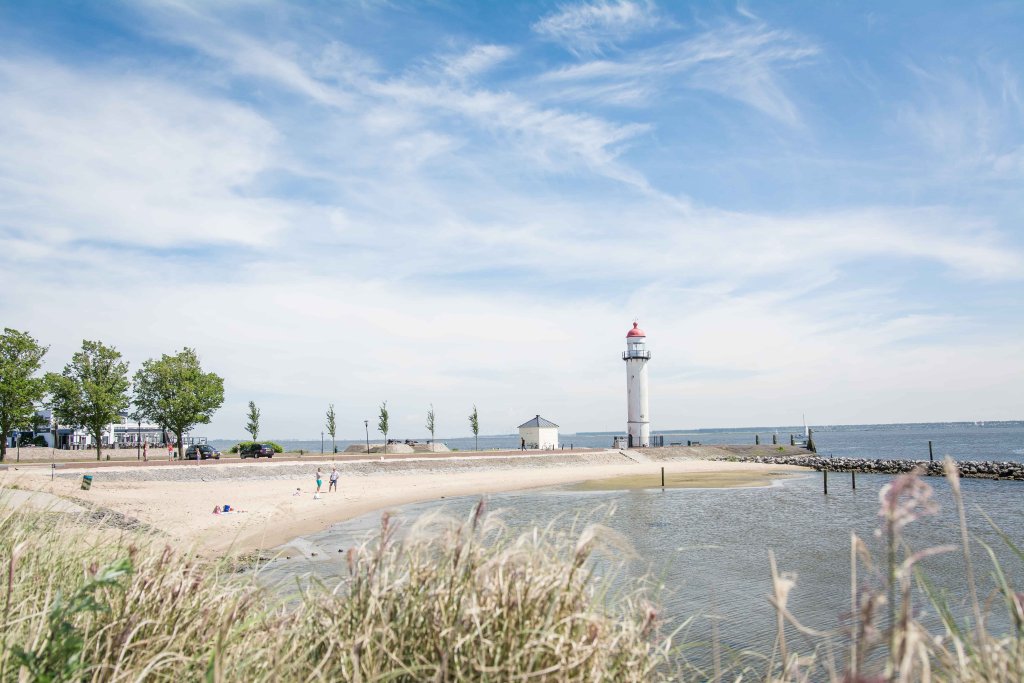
<point x="382" y="424"/>
<point x="93" y="389"/>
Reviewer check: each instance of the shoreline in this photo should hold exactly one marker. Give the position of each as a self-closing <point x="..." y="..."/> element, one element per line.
<point x="276" y="500"/>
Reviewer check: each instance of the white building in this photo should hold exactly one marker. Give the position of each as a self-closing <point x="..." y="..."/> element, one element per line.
<point x="636" y="355"/>
<point x="539" y="433"/>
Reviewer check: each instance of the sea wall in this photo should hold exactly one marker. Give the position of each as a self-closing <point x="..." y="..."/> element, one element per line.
<point x="985" y="469"/>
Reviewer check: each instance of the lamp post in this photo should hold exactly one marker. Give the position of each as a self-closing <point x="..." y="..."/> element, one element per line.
<point x="366" y="423"/>
<point x="138" y="443"/>
<point x="17" y="444"/>
<point x="321" y="443"/>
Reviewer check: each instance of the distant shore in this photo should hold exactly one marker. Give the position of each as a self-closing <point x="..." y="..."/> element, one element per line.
<point x="275" y="497"/>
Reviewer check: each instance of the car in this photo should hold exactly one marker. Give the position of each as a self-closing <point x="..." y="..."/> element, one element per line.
<point x="204" y="451"/>
<point x="256" y="450"/>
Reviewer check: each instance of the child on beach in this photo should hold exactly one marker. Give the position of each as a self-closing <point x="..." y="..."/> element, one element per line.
<point x="333" y="481"/>
<point x="319" y="483"/>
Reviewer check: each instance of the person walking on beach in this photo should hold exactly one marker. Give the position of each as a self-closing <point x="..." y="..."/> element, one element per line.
<point x="333" y="481"/>
<point x="319" y="483"/>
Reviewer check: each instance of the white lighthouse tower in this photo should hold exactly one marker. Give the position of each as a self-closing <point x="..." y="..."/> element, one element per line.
<point x="636" y="356"/>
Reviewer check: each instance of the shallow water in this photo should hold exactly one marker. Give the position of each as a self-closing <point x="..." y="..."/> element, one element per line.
<point x="711" y="546"/>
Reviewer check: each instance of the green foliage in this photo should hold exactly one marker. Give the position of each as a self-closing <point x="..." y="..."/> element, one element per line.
<point x="175" y="392"/>
<point x="59" y="656"/>
<point x="462" y="602"/>
<point x="92" y="390"/>
<point x="278" y="448"/>
<point x="430" y="421"/>
<point x="21" y="357"/>
<point x="26" y="439"/>
<point x="474" y="424"/>
<point x="253" y="424"/>
<point x="382" y="424"/>
<point x="332" y="426"/>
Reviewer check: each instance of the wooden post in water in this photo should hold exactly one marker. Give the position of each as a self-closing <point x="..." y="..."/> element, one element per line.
<point x="825" y="479"/>
<point x="792" y="441"/>
<point x="931" y="457"/>
<point x="853" y="479"/>
<point x="662" y="477"/>
<point x="775" y="439"/>
<point x="757" y="439"/>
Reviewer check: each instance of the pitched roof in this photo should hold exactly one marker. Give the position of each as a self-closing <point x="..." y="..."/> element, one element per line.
<point x="538" y="422"/>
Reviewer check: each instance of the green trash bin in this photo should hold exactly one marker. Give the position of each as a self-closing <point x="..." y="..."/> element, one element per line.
<point x="86" y="482"/>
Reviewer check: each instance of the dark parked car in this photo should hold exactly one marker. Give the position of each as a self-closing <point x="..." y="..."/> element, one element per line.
<point x="256" y="450"/>
<point x="204" y="451"/>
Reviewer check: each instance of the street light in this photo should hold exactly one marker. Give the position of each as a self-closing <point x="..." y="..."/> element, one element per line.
<point x="321" y="443"/>
<point x="17" y="443"/>
<point x="366" y="423"/>
<point x="138" y="444"/>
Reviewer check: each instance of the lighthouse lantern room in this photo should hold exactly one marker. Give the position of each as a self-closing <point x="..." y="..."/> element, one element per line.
<point x="636" y="356"/>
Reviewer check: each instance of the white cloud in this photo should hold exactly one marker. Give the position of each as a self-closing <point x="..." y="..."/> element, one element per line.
<point x="742" y="62"/>
<point x="969" y="118"/>
<point x="432" y="235"/>
<point x="475" y="61"/>
<point x="139" y="162"/>
<point x="589" y="27"/>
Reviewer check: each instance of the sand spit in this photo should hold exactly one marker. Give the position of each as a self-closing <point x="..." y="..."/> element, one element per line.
<point x="277" y="503"/>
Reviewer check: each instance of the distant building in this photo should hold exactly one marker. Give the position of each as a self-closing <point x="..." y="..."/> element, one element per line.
<point x="539" y="433"/>
<point x="124" y="433"/>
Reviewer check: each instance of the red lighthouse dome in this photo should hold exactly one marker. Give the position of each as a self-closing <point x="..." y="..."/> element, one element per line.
<point x="635" y="332"/>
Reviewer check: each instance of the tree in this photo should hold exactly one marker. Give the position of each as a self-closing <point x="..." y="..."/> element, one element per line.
<point x="430" y="425"/>
<point x="175" y="392"/>
<point x="20" y="359"/>
<point x="382" y="425"/>
<point x="61" y="399"/>
<point x="474" y="423"/>
<point x="93" y="390"/>
<point x="253" y="426"/>
<point x="332" y="425"/>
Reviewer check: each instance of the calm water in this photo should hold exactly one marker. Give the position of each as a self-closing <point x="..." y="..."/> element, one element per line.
<point x="711" y="545"/>
<point x="962" y="440"/>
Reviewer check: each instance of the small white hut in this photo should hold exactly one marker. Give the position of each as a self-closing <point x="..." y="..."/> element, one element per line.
<point x="539" y="433"/>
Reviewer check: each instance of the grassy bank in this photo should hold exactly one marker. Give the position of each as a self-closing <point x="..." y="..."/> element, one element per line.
<point x="465" y="600"/>
<point x="449" y="602"/>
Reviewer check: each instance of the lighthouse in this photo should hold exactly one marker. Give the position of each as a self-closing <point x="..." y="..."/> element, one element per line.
<point x="636" y="356"/>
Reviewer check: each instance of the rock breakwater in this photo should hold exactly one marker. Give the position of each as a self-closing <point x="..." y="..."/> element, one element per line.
<point x="985" y="469"/>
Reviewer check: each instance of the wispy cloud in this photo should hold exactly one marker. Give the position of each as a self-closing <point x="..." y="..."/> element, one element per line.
<point x="739" y="61"/>
<point x="473" y="196"/>
<point x="968" y="115"/>
<point x="141" y="161"/>
<point x="590" y="27"/>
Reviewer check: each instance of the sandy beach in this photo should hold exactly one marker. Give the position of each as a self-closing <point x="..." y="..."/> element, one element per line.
<point x="276" y="502"/>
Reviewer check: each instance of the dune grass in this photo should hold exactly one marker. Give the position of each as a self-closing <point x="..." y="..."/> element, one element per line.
<point x="450" y="602"/>
<point x="465" y="600"/>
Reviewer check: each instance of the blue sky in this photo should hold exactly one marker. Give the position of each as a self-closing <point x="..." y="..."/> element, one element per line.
<point x="810" y="207"/>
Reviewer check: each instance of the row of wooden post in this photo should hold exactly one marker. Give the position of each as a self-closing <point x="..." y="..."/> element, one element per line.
<point x="824" y="480"/>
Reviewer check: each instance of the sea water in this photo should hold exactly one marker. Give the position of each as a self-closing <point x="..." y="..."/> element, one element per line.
<point x="710" y="547"/>
<point x="961" y="440"/>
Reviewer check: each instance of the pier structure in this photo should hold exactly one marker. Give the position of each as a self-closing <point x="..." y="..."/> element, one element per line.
<point x="636" y="355"/>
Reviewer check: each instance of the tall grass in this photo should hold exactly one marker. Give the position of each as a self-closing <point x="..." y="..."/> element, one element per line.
<point x="452" y="600"/>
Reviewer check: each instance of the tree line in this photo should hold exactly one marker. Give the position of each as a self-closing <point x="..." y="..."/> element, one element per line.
<point x="94" y="389"/>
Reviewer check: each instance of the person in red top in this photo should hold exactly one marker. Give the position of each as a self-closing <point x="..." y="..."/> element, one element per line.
<point x="170" y="450"/>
